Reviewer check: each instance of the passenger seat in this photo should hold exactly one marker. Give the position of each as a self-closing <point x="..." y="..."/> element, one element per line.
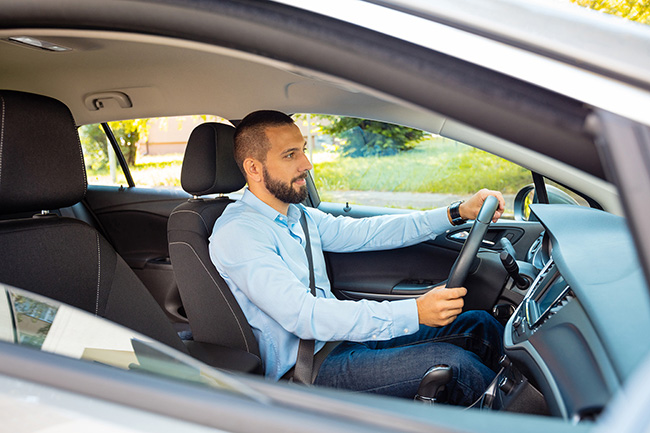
<point x="42" y="168"/>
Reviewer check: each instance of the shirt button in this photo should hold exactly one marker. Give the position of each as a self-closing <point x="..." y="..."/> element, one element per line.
<point x="406" y="330"/>
<point x="374" y="337"/>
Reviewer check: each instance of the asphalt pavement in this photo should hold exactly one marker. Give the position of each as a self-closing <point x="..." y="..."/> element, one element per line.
<point x="406" y="200"/>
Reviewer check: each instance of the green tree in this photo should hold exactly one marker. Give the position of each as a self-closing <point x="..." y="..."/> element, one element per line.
<point x="362" y="137"/>
<point x="635" y="10"/>
<point x="95" y="147"/>
<point x="127" y="133"/>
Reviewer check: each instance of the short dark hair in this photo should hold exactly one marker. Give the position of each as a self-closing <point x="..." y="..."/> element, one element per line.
<point x="250" y="135"/>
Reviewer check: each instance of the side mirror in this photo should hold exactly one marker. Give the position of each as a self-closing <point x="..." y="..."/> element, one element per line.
<point x="527" y="196"/>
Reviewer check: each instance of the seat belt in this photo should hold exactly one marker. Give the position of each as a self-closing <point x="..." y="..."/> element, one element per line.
<point x="305" y="359"/>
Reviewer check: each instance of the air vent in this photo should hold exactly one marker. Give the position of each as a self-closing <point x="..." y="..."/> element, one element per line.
<point x="567" y="296"/>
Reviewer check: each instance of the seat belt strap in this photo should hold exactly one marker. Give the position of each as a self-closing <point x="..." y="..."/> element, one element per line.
<point x="305" y="359"/>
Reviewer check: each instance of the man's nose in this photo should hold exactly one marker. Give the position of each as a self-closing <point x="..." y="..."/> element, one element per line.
<point x="306" y="163"/>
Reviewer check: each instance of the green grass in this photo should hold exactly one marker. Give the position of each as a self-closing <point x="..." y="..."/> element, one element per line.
<point x="436" y="165"/>
<point x="158" y="170"/>
<point x="149" y="171"/>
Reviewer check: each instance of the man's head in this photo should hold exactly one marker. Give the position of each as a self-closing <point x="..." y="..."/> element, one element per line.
<point x="269" y="149"/>
<point x="250" y="136"/>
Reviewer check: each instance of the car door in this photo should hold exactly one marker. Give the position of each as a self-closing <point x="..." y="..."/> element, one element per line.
<point x="135" y="222"/>
<point x="411" y="271"/>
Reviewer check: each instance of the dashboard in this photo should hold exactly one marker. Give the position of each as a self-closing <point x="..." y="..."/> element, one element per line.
<point x="582" y="327"/>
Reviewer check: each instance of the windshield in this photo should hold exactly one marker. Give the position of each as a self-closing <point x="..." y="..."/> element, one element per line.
<point x="44" y="324"/>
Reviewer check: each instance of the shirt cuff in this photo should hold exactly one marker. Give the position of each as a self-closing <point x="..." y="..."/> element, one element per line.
<point x="437" y="221"/>
<point x="405" y="317"/>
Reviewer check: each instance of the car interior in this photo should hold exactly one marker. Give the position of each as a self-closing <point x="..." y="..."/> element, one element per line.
<point x="70" y="261"/>
<point x="138" y="256"/>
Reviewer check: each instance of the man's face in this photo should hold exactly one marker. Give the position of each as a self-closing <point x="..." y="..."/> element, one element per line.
<point x="286" y="166"/>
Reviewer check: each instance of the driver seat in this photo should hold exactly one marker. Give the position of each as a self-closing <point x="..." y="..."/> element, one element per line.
<point x="213" y="312"/>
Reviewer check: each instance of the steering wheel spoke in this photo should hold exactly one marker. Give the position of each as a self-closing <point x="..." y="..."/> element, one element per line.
<point x="463" y="264"/>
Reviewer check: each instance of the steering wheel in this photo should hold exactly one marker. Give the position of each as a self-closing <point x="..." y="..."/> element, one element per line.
<point x="463" y="263"/>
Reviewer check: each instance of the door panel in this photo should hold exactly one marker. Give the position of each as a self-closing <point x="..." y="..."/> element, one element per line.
<point x="521" y="234"/>
<point x="390" y="274"/>
<point x="411" y="271"/>
<point x="134" y="220"/>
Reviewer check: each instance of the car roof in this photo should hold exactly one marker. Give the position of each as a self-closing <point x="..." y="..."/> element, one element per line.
<point x="568" y="34"/>
<point x="553" y="44"/>
<point x="558" y="29"/>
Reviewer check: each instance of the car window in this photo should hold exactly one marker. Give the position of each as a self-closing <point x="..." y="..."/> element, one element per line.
<point x="361" y="162"/>
<point x="152" y="148"/>
<point x="102" y="166"/>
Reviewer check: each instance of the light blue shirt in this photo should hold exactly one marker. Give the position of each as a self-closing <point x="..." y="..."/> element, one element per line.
<point x="260" y="254"/>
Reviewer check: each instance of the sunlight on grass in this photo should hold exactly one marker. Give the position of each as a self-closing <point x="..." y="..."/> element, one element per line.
<point x="436" y="165"/>
<point x="150" y="171"/>
<point x="158" y="170"/>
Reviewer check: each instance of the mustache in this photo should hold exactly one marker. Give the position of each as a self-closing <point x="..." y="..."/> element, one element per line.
<point x="302" y="176"/>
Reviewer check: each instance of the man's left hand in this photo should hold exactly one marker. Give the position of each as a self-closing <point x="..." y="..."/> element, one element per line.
<point x="470" y="208"/>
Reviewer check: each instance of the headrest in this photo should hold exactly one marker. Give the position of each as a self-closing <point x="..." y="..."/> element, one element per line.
<point x="41" y="162"/>
<point x="209" y="166"/>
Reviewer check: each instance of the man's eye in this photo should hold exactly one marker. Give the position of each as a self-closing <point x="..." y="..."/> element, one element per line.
<point x="289" y="155"/>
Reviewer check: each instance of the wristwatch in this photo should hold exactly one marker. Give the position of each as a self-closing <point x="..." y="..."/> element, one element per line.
<point x="454" y="213"/>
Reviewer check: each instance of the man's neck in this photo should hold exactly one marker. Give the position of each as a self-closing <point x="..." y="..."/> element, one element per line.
<point x="270" y="200"/>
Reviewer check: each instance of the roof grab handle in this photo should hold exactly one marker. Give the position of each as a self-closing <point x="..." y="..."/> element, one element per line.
<point x="97" y="101"/>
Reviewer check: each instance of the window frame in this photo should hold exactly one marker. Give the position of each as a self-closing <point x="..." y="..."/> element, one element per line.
<point x="118" y="154"/>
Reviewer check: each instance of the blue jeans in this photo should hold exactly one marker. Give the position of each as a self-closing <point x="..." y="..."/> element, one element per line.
<point x="471" y="346"/>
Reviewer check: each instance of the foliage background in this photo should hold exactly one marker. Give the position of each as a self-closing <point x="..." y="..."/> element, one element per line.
<point x="362" y="137"/>
<point x="127" y="133"/>
<point x="629" y="9"/>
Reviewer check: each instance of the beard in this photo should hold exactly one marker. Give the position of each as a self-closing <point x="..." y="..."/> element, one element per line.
<point x="285" y="192"/>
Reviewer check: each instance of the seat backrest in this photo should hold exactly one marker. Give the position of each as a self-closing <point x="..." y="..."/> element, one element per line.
<point x="42" y="168"/>
<point x="208" y="168"/>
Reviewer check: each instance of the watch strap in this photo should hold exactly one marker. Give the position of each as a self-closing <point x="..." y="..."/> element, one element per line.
<point x="454" y="213"/>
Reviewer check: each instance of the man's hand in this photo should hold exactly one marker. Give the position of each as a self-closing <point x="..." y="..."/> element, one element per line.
<point x="469" y="209"/>
<point x="440" y="306"/>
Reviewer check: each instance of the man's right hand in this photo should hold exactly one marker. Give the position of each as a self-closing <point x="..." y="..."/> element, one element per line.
<point x="440" y="306"/>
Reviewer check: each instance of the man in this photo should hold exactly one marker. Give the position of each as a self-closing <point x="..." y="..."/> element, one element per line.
<point x="258" y="246"/>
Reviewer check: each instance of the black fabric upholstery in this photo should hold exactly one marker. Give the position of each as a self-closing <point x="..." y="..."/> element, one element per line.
<point x="51" y="242"/>
<point x="35" y="172"/>
<point x="65" y="259"/>
<point x="211" y="308"/>
<point x="208" y="165"/>
<point x="69" y="261"/>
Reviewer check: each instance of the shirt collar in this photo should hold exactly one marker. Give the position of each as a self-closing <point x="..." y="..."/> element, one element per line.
<point x="253" y="201"/>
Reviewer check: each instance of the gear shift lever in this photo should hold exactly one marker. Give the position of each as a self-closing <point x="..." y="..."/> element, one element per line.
<point x="433" y="382"/>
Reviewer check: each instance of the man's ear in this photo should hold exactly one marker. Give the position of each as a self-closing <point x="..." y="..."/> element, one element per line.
<point x="253" y="169"/>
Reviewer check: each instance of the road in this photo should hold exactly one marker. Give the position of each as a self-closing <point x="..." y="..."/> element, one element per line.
<point x="406" y="200"/>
